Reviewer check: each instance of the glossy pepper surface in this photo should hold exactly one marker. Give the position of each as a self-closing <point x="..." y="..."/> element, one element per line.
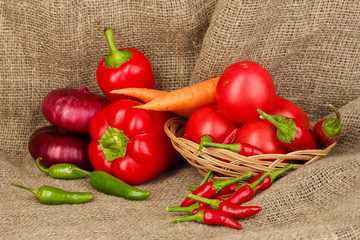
<point x="328" y="130"/>
<point x="210" y="217"/>
<point x="111" y="185"/>
<point x="130" y="143"/>
<point x="292" y="134"/>
<point x="210" y="189"/>
<point x="123" y="68"/>
<point x="53" y="196"/>
<point x="61" y="171"/>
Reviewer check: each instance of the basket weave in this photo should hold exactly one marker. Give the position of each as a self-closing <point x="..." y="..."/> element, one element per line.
<point x="211" y="158"/>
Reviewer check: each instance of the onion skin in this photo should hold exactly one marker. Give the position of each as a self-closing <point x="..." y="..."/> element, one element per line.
<point x="55" y="145"/>
<point x="72" y="109"/>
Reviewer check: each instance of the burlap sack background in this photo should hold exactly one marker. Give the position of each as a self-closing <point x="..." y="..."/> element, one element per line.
<point x="311" y="48"/>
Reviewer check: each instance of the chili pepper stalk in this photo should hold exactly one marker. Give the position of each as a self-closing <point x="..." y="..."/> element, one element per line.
<point x="328" y="130"/>
<point x="267" y="182"/>
<point x="61" y="171"/>
<point x="229" y="208"/>
<point x="246" y="192"/>
<point x="291" y="133"/>
<point x="209" y="189"/>
<point x="52" y="195"/>
<point x="111" y="185"/>
<point x="210" y="217"/>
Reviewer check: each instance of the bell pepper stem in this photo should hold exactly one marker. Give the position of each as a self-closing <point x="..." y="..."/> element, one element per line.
<point x="34" y="191"/>
<point x="110" y="40"/>
<point x="275" y="174"/>
<point x="81" y="171"/>
<point x="45" y="170"/>
<point x="116" y="57"/>
<point x="219" y="185"/>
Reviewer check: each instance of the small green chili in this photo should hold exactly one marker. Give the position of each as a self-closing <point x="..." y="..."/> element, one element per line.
<point x="111" y="185"/>
<point x="61" y="171"/>
<point x="53" y="195"/>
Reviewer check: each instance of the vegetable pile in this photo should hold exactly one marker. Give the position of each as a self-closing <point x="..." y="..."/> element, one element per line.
<point x="119" y="140"/>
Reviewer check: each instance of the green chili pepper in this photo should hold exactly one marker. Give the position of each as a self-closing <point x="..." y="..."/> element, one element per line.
<point x="53" y="195"/>
<point x="111" y="185"/>
<point x="61" y="171"/>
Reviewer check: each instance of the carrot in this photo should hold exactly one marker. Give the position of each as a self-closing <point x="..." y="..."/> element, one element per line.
<point x="146" y="95"/>
<point x="143" y="94"/>
<point x="190" y="97"/>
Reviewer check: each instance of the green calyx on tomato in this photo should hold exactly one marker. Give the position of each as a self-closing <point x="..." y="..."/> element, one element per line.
<point x="286" y="128"/>
<point x="117" y="57"/>
<point x="113" y="143"/>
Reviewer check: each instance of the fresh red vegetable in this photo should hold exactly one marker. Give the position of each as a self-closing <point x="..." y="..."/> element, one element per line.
<point x="130" y="143"/>
<point x="245" y="192"/>
<point x="267" y="182"/>
<point x="328" y="130"/>
<point x="123" y="68"/>
<point x="209" y="189"/>
<point x="227" y="207"/>
<point x="243" y="88"/>
<point x="241" y="148"/>
<point x="208" y="120"/>
<point x="291" y="133"/>
<point x="211" y="217"/>
<point x="55" y="145"/>
<point x="287" y="108"/>
<point x="260" y="134"/>
<point x="72" y="109"/>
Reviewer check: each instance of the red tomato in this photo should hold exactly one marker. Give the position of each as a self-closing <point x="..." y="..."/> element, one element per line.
<point x="242" y="89"/>
<point x="287" y="108"/>
<point x="262" y="135"/>
<point x="208" y="120"/>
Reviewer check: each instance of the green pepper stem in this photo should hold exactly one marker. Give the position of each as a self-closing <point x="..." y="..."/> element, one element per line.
<point x="110" y="40"/>
<point x="219" y="185"/>
<point x="198" y="217"/>
<point x="79" y="170"/>
<point x="214" y="203"/>
<point x="116" y="57"/>
<point x="276" y="173"/>
<point x="281" y="127"/>
<point x="34" y="191"/>
<point x="338" y="115"/>
<point x="235" y="147"/>
<point x="188" y="209"/>
<point x="203" y="139"/>
<point x="206" y="178"/>
<point x="191" y="189"/>
<point x="259" y="180"/>
<point x="45" y="170"/>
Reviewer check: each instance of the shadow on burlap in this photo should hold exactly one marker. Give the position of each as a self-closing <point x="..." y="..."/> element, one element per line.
<point x="311" y="48"/>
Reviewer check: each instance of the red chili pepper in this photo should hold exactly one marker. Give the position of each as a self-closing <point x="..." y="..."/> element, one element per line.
<point x="266" y="183"/>
<point x="209" y="189"/>
<point x="211" y="217"/>
<point x="328" y="130"/>
<point x="246" y="192"/>
<point x="241" y="148"/>
<point x="130" y="143"/>
<point x="291" y="133"/>
<point x="123" y="68"/>
<point x="229" y="208"/>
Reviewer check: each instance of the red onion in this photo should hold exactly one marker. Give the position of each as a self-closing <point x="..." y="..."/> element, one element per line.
<point x="55" y="145"/>
<point x="72" y="109"/>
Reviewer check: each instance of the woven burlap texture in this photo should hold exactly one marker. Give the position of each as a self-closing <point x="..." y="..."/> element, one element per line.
<point x="311" y="48"/>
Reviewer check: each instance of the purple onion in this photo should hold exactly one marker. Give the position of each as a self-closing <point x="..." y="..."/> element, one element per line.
<point x="55" y="145"/>
<point x="72" y="109"/>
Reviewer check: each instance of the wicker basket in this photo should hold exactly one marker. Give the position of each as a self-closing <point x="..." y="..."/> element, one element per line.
<point x="236" y="164"/>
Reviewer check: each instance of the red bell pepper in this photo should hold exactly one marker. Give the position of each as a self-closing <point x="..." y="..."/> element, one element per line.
<point x="123" y="68"/>
<point x="130" y="143"/>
